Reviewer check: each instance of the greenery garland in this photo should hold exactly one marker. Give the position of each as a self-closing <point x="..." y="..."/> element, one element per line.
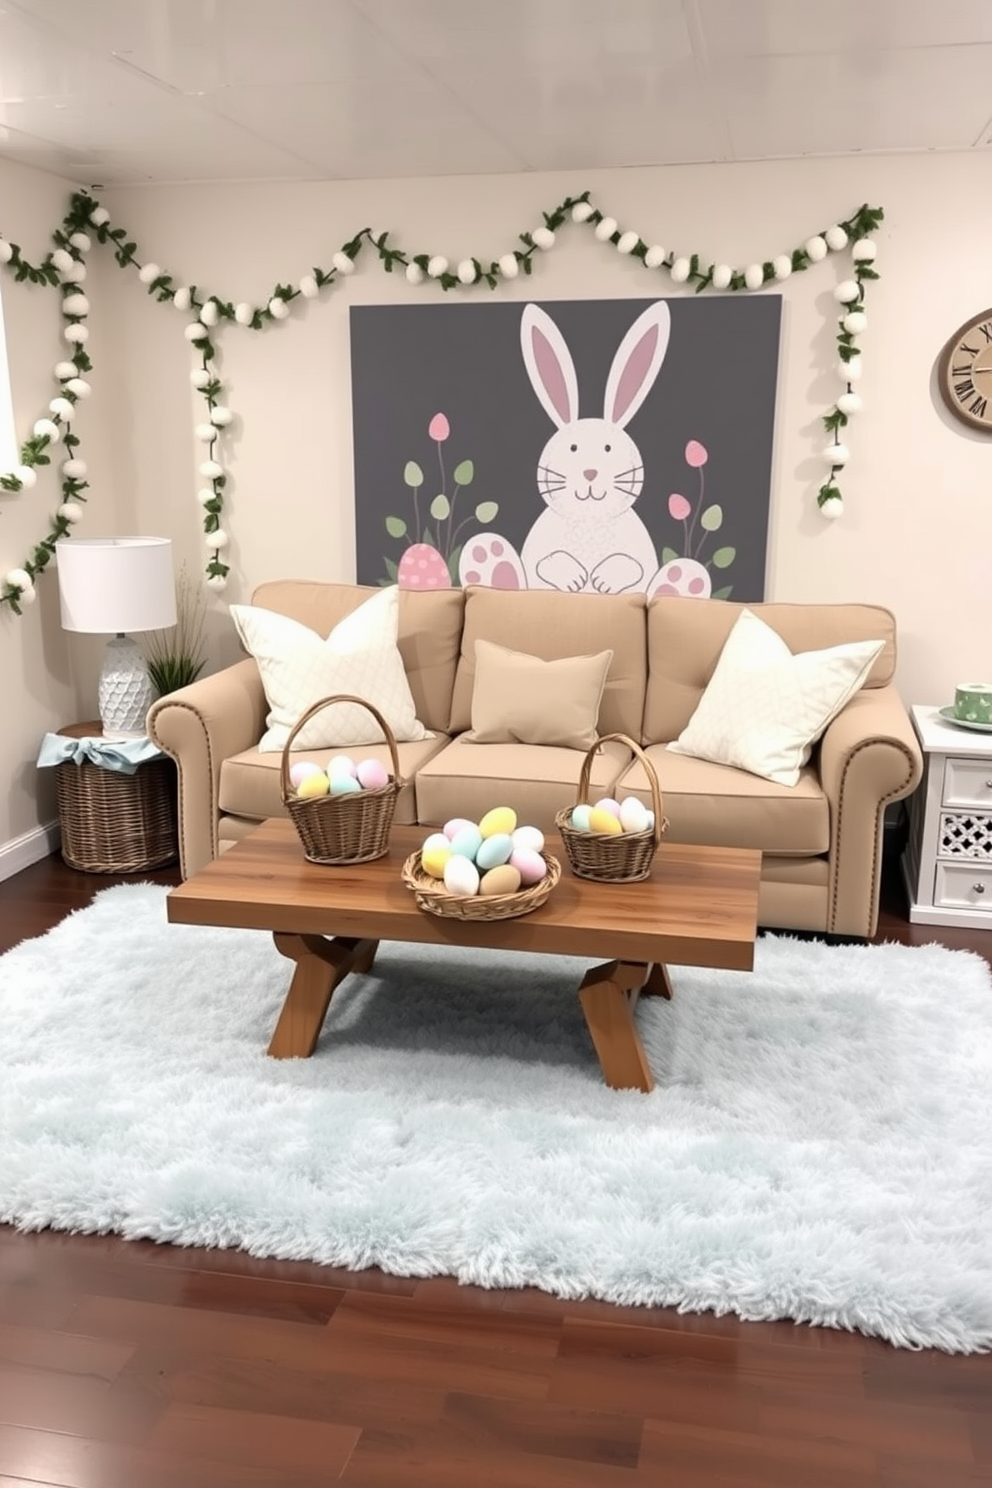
<point x="64" y="268"/>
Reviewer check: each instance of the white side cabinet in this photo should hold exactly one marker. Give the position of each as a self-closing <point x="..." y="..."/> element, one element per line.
<point x="948" y="859"/>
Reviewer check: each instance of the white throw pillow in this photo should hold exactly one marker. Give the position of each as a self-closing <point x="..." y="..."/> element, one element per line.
<point x="298" y="667"/>
<point x="763" y="708"/>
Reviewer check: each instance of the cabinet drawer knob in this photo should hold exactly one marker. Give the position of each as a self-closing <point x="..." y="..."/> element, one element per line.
<point x="979" y="888"/>
<point x="988" y="785"/>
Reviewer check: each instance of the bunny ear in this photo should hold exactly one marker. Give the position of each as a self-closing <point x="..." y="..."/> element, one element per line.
<point x="637" y="363"/>
<point x="549" y="365"/>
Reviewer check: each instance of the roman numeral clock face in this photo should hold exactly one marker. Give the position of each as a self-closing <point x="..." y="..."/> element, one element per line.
<point x="965" y="373"/>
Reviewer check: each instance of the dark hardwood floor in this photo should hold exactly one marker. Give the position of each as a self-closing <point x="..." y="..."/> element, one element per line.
<point x="134" y="1365"/>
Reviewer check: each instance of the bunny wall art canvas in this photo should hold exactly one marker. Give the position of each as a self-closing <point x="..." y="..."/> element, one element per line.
<point x="603" y="446"/>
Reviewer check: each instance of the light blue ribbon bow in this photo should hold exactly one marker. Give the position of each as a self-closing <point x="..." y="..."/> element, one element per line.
<point x="124" y="755"/>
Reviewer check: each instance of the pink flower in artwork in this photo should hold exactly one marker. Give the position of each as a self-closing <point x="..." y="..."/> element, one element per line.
<point x="696" y="454"/>
<point x="678" y="507"/>
<point x="439" y="428"/>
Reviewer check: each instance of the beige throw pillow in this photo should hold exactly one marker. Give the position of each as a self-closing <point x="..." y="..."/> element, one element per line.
<point x="520" y="699"/>
<point x="764" y="708"/>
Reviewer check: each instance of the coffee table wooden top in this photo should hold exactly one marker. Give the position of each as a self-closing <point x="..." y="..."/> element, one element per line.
<point x="698" y="908"/>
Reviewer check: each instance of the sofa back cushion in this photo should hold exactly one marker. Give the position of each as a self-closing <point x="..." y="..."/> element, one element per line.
<point x="429" y="632"/>
<point x="686" y="637"/>
<point x="545" y="623"/>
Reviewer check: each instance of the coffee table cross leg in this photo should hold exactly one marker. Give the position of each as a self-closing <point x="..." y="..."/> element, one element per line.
<point x="608" y="995"/>
<point x="659" y="983"/>
<point x="320" y="965"/>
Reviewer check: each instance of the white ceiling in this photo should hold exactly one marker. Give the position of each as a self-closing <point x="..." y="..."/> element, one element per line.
<point x="133" y="91"/>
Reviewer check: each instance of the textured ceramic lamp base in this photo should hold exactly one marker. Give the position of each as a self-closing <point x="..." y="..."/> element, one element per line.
<point x="126" y="691"/>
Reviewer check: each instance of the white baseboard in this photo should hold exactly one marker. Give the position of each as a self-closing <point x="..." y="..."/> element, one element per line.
<point x="21" y="852"/>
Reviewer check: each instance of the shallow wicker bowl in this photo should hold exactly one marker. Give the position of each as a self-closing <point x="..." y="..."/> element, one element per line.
<point x="432" y="896"/>
<point x="625" y="858"/>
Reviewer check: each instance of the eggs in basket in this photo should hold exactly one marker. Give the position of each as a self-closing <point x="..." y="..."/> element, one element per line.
<point x="488" y="857"/>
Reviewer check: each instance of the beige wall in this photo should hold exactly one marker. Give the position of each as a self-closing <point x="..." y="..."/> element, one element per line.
<point x="918" y="489"/>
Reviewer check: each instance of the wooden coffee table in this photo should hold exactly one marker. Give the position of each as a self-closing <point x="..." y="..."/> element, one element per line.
<point x="698" y="908"/>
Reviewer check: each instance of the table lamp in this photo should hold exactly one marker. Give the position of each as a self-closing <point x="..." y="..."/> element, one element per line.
<point x="109" y="586"/>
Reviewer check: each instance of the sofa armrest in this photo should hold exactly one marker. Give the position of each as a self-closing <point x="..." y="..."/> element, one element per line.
<point x="869" y="756"/>
<point x="200" y="726"/>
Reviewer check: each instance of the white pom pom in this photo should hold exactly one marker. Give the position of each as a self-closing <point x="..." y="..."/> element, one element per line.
<point x="79" y="387"/>
<point x="544" y="238"/>
<point x="680" y="270"/>
<point x="99" y="216"/>
<point x="628" y="242"/>
<point x="73" y="469"/>
<point x="582" y="211"/>
<point x="6" y="251"/>
<point x="816" y="249"/>
<point x="196" y="332"/>
<point x="76" y="333"/>
<point x="200" y="376"/>
<point x="209" y="313"/>
<point x="62" y="408"/>
<point x="850" y="403"/>
<point x="28" y="596"/>
<point x="722" y="276"/>
<point x="864" y="251"/>
<point x="205" y="494"/>
<point x="243" y="312"/>
<point x="221" y="416"/>
<point x="27" y="475"/>
<point x="309" y="288"/>
<point x="205" y="433"/>
<point x="851" y="370"/>
<point x="81" y="241"/>
<point x="605" y="228"/>
<point x="18" y="578"/>
<point x="832" y="508"/>
<point x="71" y="511"/>
<point x="65" y="370"/>
<point x="216" y="540"/>
<point x="149" y="272"/>
<point x="182" y="299"/>
<point x="75" y="275"/>
<point x="62" y="259"/>
<point x="655" y="256"/>
<point x="855" y="322"/>
<point x="46" y="428"/>
<point x="836" y="238"/>
<point x="342" y="262"/>
<point x="278" y="308"/>
<point x="466" y="271"/>
<point x="836" y="454"/>
<point x="75" y="304"/>
<point x="217" y="582"/>
<point x="846" y="291"/>
<point x="754" y="276"/>
<point x="414" y="274"/>
<point x="437" y="266"/>
<point x="508" y="266"/>
<point x="210" y="470"/>
<point x="782" y="265"/>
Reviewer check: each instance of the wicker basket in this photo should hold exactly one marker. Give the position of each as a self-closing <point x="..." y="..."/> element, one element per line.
<point x="343" y="829"/>
<point x="117" y="823"/>
<point x="626" y="857"/>
<point x="432" y="896"/>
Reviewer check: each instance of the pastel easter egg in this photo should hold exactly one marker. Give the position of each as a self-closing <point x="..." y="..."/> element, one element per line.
<point x="580" y="817"/>
<point x="494" y="851"/>
<point x="455" y="825"/>
<point x="435" y="859"/>
<point x="340" y="764"/>
<point x="502" y="880"/>
<point x="529" y="864"/>
<point x="531" y="837"/>
<point x="422" y="567"/>
<point x="608" y="804"/>
<point x="301" y="770"/>
<point x="312" y="786"/>
<point x="372" y="774"/>
<point x="344" y="785"/>
<point x="650" y="821"/>
<point x="467" y="842"/>
<point x="461" y="875"/>
<point x="604" y="822"/>
<point x="502" y="819"/>
<point x="633" y="815"/>
<point x="436" y="839"/>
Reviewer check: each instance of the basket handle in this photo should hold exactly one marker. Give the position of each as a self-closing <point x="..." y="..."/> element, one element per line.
<point x="649" y="770"/>
<point x="338" y="697"/>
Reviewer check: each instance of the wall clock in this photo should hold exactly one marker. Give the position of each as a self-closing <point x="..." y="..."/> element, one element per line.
<point x="964" y="374"/>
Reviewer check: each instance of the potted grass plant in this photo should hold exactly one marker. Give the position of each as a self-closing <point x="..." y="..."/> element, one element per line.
<point x="176" y="656"/>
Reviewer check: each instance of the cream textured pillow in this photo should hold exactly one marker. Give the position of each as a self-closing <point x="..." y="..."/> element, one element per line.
<point x="520" y="699"/>
<point x="764" y="709"/>
<point x="360" y="656"/>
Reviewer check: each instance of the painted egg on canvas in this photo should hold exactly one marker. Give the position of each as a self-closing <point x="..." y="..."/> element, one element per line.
<point x="502" y="819"/>
<point x="422" y="567"/>
<point x="529" y="864"/>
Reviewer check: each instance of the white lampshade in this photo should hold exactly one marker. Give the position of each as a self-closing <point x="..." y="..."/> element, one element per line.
<point x="113" y="585"/>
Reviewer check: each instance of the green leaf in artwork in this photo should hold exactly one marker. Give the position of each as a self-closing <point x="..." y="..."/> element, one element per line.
<point x="486" y="511"/>
<point x="440" y="507"/>
<point x="427" y="537"/>
<point x="395" y="526"/>
<point x="453" y="558"/>
<point x="391" y="569"/>
<point x="412" y="474"/>
<point x="668" y="555"/>
<point x="712" y="518"/>
<point x="464" y="473"/>
<point x="723" y="593"/>
<point x="724" y="557"/>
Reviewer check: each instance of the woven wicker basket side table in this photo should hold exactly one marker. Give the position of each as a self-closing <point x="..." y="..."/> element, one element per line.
<point x="113" y="822"/>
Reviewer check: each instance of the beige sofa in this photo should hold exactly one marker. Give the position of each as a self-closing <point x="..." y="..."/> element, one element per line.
<point x="821" y="839"/>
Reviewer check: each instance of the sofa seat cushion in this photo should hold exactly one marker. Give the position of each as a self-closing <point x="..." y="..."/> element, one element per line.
<point x="719" y="806"/>
<point x="250" y="783"/>
<point x="537" y="780"/>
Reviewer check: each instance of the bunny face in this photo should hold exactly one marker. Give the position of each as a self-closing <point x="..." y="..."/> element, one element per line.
<point x="590" y="469"/>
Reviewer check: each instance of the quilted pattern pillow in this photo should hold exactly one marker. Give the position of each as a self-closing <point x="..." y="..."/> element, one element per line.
<point x="298" y="667"/>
